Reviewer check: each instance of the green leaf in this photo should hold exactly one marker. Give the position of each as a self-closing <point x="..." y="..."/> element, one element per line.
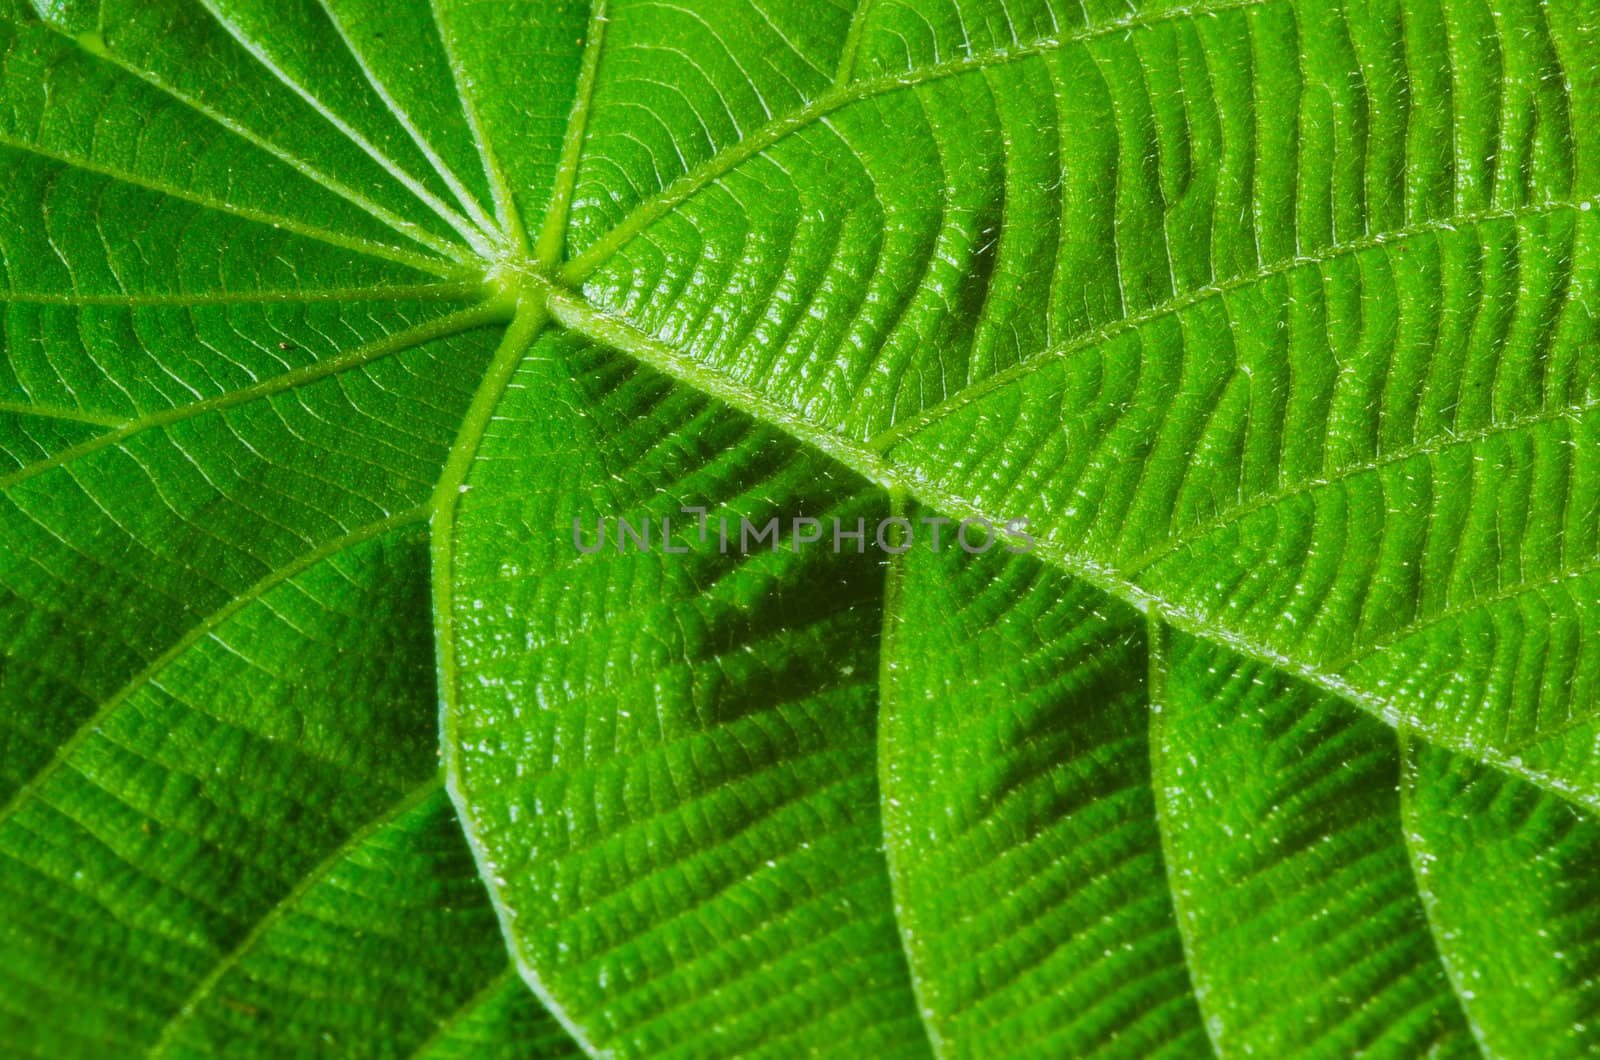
<point x="1490" y="853"/>
<point x="250" y="851"/>
<point x="668" y="762"/>
<point x="1271" y="317"/>
<point x="1050" y="906"/>
<point x="1019" y="817"/>
<point x="1232" y="309"/>
<point x="1280" y="812"/>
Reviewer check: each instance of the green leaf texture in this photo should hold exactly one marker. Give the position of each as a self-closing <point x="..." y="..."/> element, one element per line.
<point x="324" y="320"/>
<point x="250" y="850"/>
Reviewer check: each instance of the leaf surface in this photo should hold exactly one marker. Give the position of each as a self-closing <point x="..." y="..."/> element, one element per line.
<point x="1020" y="815"/>
<point x="1111" y="279"/>
<point x="1271" y="317"/>
<point x="252" y="853"/>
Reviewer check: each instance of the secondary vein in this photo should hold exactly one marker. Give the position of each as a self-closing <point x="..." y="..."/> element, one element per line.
<point x="57" y="412"/>
<point x="1189" y="299"/>
<point x="852" y="43"/>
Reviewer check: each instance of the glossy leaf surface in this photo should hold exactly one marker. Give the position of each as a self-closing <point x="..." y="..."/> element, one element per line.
<point x="323" y="322"/>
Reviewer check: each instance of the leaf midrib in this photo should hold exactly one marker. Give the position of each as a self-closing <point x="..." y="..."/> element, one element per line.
<point x="529" y="319"/>
<point x="577" y="315"/>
